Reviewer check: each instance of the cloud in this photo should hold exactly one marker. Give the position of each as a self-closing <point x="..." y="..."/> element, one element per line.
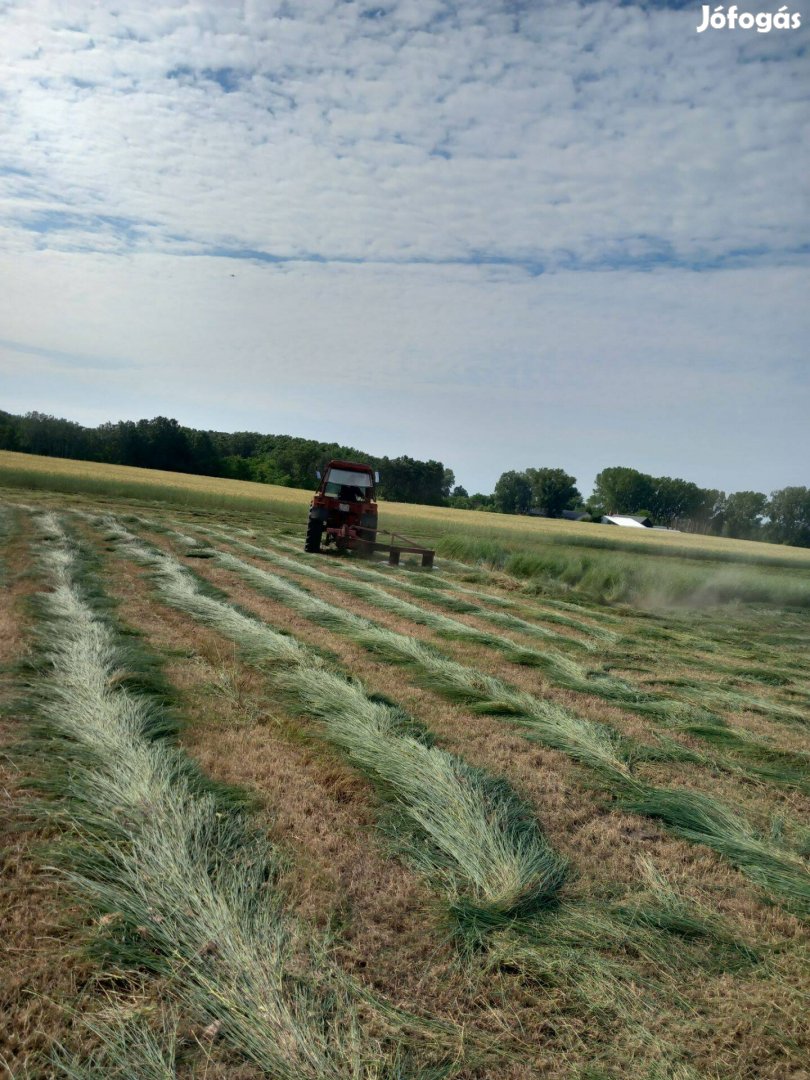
<point x="56" y="357"/>
<point x="593" y="134"/>
<point x="495" y="233"/>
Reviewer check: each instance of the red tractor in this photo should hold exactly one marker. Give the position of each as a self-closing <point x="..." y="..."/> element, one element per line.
<point x="345" y="508"/>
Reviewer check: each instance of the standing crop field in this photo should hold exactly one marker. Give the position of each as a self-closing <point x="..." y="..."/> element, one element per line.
<point x="269" y="814"/>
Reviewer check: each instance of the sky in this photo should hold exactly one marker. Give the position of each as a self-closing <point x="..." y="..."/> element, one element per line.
<point x="495" y="233"/>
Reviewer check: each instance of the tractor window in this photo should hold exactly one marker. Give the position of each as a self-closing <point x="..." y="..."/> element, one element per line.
<point x="353" y="486"/>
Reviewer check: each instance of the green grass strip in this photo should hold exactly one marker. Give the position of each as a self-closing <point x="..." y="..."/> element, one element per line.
<point x="185" y="881"/>
<point x="774" y="866"/>
<point x="451" y="596"/>
<point x="479" y="842"/>
<point x="762" y="761"/>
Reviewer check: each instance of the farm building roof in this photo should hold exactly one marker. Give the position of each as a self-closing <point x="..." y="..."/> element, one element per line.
<point x="628" y="522"/>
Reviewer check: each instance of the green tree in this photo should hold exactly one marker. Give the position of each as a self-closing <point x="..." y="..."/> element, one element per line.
<point x="9" y="432"/>
<point x="711" y="513"/>
<point x="553" y="490"/>
<point x="513" y="493"/>
<point x="789" y="511"/>
<point x="237" y="468"/>
<point x="674" y="500"/>
<point x="623" y="490"/>
<point x="204" y="457"/>
<point x="403" y="479"/>
<point x="744" y="511"/>
<point x="164" y="444"/>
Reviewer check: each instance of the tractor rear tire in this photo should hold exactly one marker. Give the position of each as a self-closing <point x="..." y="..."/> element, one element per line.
<point x="312" y="544"/>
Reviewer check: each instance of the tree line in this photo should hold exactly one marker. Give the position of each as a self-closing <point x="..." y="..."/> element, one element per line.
<point x="781" y="517"/>
<point x="162" y="443"/>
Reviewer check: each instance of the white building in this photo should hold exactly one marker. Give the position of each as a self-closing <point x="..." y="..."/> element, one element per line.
<point x="627" y="522"/>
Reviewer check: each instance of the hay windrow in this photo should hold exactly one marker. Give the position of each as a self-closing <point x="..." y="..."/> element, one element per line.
<point x="583" y="967"/>
<point x="620" y="974"/>
<point x="470" y="832"/>
<point x="597" y="746"/>
<point x="690" y="717"/>
<point x="183" y="882"/>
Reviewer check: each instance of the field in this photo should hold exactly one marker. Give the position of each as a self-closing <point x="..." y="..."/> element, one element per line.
<point x="540" y="812"/>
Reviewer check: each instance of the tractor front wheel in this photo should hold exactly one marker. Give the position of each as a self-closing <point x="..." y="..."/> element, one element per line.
<point x="312" y="543"/>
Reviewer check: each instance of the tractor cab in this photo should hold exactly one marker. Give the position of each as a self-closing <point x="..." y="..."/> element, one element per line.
<point x="351" y="484"/>
<point x="343" y="511"/>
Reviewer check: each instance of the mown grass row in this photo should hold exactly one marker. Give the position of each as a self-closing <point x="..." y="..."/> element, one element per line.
<point x="466" y="829"/>
<point x="760" y="759"/>
<point x="594" y="744"/>
<point x="563" y="613"/>
<point x="454" y="597"/>
<point x="694" y="637"/>
<point x="689" y="814"/>
<point x="443" y="625"/>
<point x="582" y="948"/>
<point x="691" y="715"/>
<point x="683" y="647"/>
<point x="185" y="886"/>
<point x="753" y="756"/>
<point x="698" y="696"/>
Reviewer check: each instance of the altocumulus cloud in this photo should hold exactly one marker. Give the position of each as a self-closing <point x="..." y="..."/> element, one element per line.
<point x="556" y="218"/>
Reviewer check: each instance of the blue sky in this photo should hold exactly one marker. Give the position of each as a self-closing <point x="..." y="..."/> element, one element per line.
<point x="500" y="234"/>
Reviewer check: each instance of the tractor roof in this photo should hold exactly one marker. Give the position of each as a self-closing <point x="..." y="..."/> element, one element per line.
<point x="351" y="466"/>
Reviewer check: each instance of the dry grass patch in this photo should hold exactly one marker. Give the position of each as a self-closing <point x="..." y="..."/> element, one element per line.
<point x="186" y="885"/>
<point x="43" y="973"/>
<point x="391" y="930"/>
<point x="734" y="1024"/>
<point x="602" y="843"/>
<point x="750" y="756"/>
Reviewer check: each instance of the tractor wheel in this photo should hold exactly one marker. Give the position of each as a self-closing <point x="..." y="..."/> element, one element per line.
<point x="312" y="543"/>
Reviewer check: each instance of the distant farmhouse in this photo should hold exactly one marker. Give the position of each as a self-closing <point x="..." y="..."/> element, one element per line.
<point x="628" y="521"/>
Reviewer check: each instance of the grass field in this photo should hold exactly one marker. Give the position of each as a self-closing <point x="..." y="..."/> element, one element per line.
<point x="540" y="812"/>
<point x="598" y="560"/>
